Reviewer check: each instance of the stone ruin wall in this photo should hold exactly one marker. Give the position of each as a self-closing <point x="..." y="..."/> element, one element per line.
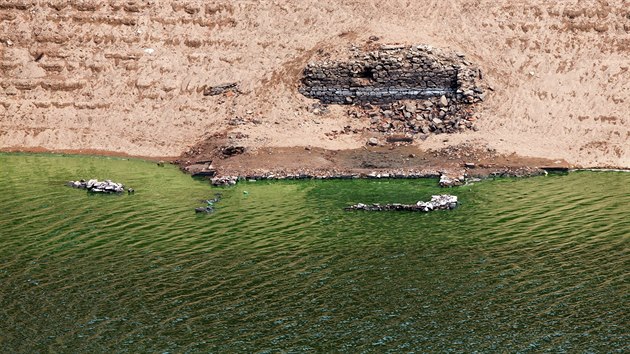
<point x="417" y="89"/>
<point x="393" y="73"/>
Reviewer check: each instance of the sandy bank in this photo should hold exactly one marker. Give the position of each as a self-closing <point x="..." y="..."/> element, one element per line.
<point x="132" y="79"/>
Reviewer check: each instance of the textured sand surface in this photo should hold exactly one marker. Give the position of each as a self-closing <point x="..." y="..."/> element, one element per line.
<point x="129" y="76"/>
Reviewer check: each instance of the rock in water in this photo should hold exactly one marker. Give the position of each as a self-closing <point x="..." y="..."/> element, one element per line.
<point x="207" y="210"/>
<point x="437" y="202"/>
<point x="95" y="186"/>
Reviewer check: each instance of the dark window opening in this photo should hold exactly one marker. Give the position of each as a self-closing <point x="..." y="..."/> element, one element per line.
<point x="367" y="73"/>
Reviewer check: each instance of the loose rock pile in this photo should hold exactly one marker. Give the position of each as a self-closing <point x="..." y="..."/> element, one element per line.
<point x="96" y="186"/>
<point x="438" y="202"/>
<point x="431" y="116"/>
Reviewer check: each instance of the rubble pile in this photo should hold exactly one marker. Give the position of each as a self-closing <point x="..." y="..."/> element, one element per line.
<point x="430" y="116"/>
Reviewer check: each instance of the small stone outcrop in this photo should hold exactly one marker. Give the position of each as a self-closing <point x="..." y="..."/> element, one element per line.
<point x="451" y="181"/>
<point x="437" y="202"/>
<point x="96" y="186"/>
<point x="224" y="181"/>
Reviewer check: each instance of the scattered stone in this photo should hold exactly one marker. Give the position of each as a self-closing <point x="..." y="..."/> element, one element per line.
<point x="446" y="181"/>
<point x="469" y="165"/>
<point x="444" y="101"/>
<point x="318" y="108"/>
<point x="96" y="186"/>
<point x="221" y="89"/>
<point x="237" y="121"/>
<point x="437" y="202"/>
<point x="373" y="141"/>
<point x="224" y="181"/>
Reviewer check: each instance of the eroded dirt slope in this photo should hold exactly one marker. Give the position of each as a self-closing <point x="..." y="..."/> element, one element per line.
<point x="130" y="76"/>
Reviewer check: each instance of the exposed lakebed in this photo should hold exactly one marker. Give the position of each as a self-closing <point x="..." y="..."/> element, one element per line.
<point x="522" y="264"/>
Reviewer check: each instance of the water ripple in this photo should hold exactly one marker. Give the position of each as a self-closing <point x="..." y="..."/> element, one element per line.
<point x="537" y="264"/>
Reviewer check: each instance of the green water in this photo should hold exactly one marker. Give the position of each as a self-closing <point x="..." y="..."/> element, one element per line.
<point x="529" y="265"/>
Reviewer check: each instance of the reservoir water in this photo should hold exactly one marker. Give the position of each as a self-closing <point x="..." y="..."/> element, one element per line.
<point x="523" y="265"/>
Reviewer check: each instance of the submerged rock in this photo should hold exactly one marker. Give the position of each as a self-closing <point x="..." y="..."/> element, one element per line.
<point x="209" y="208"/>
<point x="437" y="202"/>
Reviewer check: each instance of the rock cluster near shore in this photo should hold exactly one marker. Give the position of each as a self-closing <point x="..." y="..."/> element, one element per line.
<point x="446" y="180"/>
<point x="224" y="181"/>
<point x="437" y="202"/>
<point x="233" y="180"/>
<point x="451" y="181"/>
<point x="96" y="186"/>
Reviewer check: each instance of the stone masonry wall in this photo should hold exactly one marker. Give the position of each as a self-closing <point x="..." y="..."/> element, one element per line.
<point x="390" y="74"/>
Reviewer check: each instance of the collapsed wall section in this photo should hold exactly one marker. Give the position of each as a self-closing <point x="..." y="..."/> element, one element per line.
<point x="390" y="74"/>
